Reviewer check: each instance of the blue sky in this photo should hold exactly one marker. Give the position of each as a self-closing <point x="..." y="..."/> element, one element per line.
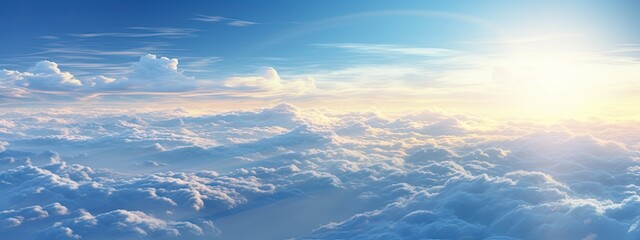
<point x="285" y="29"/>
<point x="411" y="44"/>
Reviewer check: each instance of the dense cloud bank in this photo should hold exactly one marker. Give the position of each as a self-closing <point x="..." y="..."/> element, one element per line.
<point x="283" y="172"/>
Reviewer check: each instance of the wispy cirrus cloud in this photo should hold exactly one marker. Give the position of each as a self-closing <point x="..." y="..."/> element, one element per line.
<point x="199" y="64"/>
<point x="390" y="49"/>
<point x="142" y="32"/>
<point x="234" y="22"/>
<point x="240" y="23"/>
<point x="206" y="18"/>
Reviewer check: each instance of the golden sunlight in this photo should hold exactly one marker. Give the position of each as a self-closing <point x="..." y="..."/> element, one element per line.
<point x="564" y="84"/>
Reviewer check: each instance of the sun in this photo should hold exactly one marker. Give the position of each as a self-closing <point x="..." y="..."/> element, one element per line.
<point x="553" y="84"/>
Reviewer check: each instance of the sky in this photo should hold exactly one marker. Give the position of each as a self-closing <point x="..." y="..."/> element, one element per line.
<point x="540" y="59"/>
<point x="319" y="120"/>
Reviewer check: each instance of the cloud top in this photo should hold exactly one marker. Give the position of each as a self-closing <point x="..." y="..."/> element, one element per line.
<point x="359" y="175"/>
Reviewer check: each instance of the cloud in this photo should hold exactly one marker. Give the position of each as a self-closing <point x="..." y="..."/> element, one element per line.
<point x="240" y="23"/>
<point x="8" y="88"/>
<point x="3" y="144"/>
<point x="229" y="21"/>
<point x="268" y="80"/>
<point x="152" y="73"/>
<point x="169" y="174"/>
<point x="151" y="76"/>
<point x="141" y="32"/>
<point x="15" y="218"/>
<point x="205" y="18"/>
<point x="384" y="49"/>
<point x="101" y="81"/>
<point x="45" y="75"/>
<point x="122" y="224"/>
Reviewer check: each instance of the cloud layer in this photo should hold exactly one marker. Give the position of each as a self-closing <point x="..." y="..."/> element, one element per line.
<point x="170" y="175"/>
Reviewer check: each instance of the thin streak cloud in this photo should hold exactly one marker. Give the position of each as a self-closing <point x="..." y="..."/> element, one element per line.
<point x="226" y="20"/>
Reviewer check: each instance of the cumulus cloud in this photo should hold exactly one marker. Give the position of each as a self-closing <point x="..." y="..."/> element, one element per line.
<point x="157" y="73"/>
<point x="100" y="81"/>
<point x="45" y="75"/>
<point x="123" y="224"/>
<point x="268" y="80"/>
<point x="150" y="74"/>
<point x="14" y="218"/>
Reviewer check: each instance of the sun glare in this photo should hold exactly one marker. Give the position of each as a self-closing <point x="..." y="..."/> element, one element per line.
<point x="554" y="84"/>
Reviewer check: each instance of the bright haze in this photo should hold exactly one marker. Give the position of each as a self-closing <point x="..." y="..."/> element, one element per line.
<point x="320" y="120"/>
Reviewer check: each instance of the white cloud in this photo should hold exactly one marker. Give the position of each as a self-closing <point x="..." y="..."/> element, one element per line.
<point x="14" y="218"/>
<point x="141" y="32"/>
<point x="229" y="21"/>
<point x="385" y="49"/>
<point x="150" y="74"/>
<point x="123" y="224"/>
<point x="11" y="75"/>
<point x="240" y="23"/>
<point x="101" y="81"/>
<point x="205" y="18"/>
<point x="153" y="73"/>
<point x="268" y="80"/>
<point x="154" y="174"/>
<point x="3" y="145"/>
<point x="45" y="75"/>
